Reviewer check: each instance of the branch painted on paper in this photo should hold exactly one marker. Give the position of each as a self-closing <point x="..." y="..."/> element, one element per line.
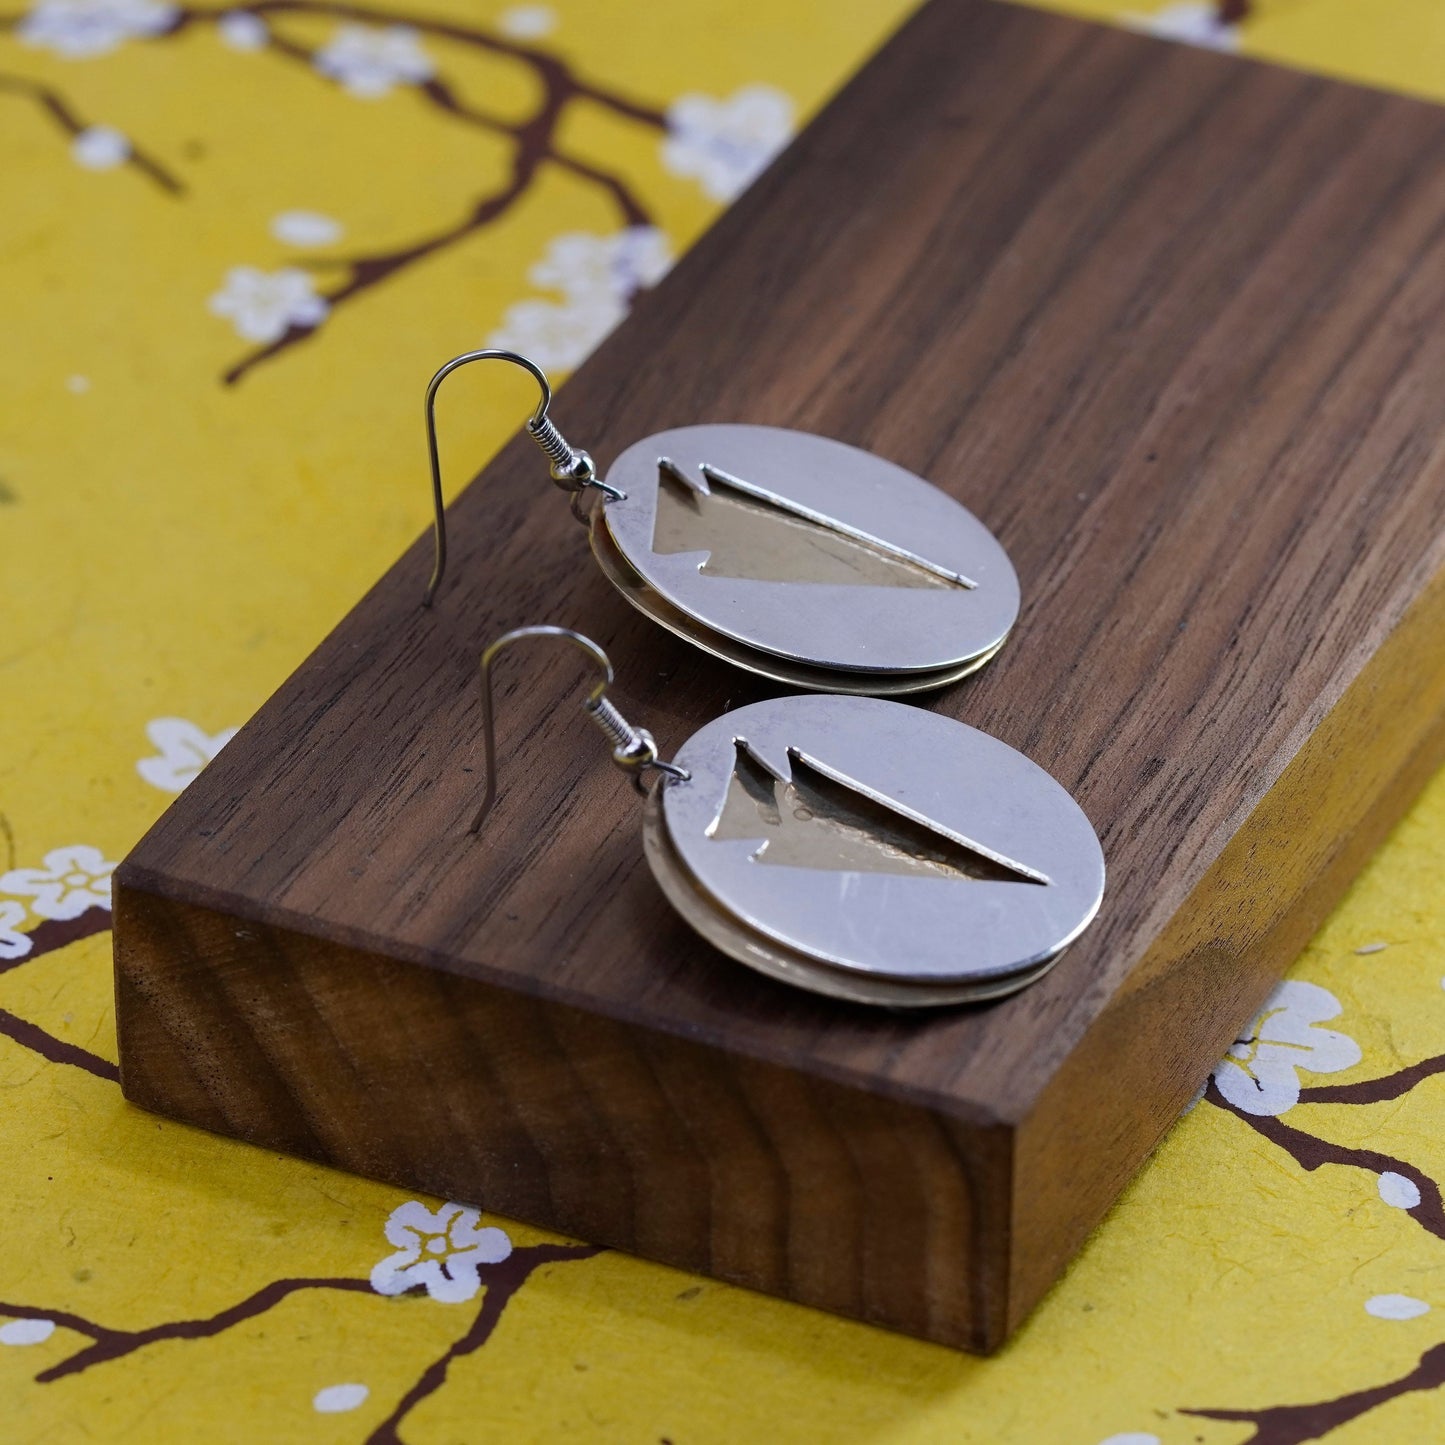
<point x="56" y="933"/>
<point x="533" y="140"/>
<point x="1297" y="1424"/>
<point x="503" y="1282"/>
<point x="61" y="112"/>
<point x="1376" y="1091"/>
<point x="47" y="937"/>
<point x="56" y="1051"/>
<point x="534" y="145"/>
<point x="1311" y="1152"/>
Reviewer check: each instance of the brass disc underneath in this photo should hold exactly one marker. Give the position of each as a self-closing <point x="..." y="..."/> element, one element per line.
<point x="787" y="965"/>
<point x="779" y="669"/>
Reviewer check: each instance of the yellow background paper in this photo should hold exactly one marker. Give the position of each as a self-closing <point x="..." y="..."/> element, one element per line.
<point x="171" y="546"/>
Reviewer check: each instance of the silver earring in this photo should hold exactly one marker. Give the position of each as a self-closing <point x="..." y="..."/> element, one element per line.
<point x="791" y="555"/>
<point x="853" y="846"/>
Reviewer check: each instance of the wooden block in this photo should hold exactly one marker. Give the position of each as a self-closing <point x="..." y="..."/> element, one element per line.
<point x="1169" y="322"/>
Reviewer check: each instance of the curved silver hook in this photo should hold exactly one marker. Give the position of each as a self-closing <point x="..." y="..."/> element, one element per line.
<point x="571" y="468"/>
<point x="634" y="750"/>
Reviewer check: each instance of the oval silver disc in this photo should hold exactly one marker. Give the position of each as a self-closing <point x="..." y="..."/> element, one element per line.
<point x="810" y="549"/>
<point x="767" y="956"/>
<point x="876" y="837"/>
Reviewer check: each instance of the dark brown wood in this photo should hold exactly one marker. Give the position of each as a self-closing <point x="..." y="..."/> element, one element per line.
<point x="1170" y="322"/>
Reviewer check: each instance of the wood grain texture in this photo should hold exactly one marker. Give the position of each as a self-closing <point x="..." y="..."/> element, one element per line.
<point x="1170" y="323"/>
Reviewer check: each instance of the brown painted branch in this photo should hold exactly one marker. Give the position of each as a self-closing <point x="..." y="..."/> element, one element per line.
<point x="112" y="1344"/>
<point x="54" y="105"/>
<point x="1375" y="1091"/>
<point x="1296" y="1424"/>
<point x="62" y="1318"/>
<point x="1311" y="1152"/>
<point x="556" y="75"/>
<point x="1233" y="12"/>
<point x="57" y="1051"/>
<point x="503" y="1282"/>
<point x="56" y="933"/>
<point x="441" y="94"/>
<point x="370" y="271"/>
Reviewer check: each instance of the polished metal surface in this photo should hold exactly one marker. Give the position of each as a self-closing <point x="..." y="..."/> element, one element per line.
<point x="787" y="965"/>
<point x="778" y="669"/>
<point x="958" y="607"/>
<point x="883" y="840"/>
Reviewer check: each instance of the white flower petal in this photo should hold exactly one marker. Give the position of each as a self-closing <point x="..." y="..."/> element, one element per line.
<point x="100" y="148"/>
<point x="83" y="29"/>
<point x="263" y="305"/>
<point x="725" y="144"/>
<point x="182" y="750"/>
<point x="26" y="1332"/>
<point x="456" y="1279"/>
<point x="1262" y="1087"/>
<point x="409" y="1223"/>
<point x="13" y="943"/>
<point x="369" y="60"/>
<point x="1396" y="1307"/>
<point x="528" y="22"/>
<point x="240" y="30"/>
<point x="306" y="228"/>
<point x="1194" y="22"/>
<point x="1398" y="1191"/>
<point x="390" y="1275"/>
<point x="336" y="1399"/>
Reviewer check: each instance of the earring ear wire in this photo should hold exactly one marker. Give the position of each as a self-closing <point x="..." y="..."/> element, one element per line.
<point x="571" y="468"/>
<point x="634" y="750"/>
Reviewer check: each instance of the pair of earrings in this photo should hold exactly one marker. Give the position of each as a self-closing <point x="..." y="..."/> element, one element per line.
<point x="849" y="845"/>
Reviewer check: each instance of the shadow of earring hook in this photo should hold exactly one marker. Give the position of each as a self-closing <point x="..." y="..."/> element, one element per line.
<point x="571" y="468"/>
<point x="634" y="750"/>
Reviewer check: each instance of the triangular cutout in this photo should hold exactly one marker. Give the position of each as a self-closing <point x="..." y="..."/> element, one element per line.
<point x="750" y="535"/>
<point x="812" y="820"/>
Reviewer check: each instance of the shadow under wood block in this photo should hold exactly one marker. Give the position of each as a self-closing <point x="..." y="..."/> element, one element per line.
<point x="1170" y="323"/>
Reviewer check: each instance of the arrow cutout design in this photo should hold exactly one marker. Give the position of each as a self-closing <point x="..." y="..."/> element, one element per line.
<point x="748" y="531"/>
<point x="810" y="815"/>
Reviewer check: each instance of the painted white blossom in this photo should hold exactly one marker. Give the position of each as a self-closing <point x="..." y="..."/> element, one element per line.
<point x="261" y="305"/>
<point x="241" y="30"/>
<point x="1190" y="23"/>
<point x="306" y="228"/>
<point x="1259" y="1073"/>
<point x="100" y="148"/>
<point x="368" y="60"/>
<point x="81" y="29"/>
<point x="1396" y="1307"/>
<point x="26" y="1332"/>
<point x="1397" y="1191"/>
<point x="528" y="22"/>
<point x="586" y="267"/>
<point x="725" y="144"/>
<point x="442" y="1250"/>
<point x="557" y="336"/>
<point x="182" y="750"/>
<point x="13" y="943"/>
<point x="72" y="880"/>
<point x="336" y="1399"/>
